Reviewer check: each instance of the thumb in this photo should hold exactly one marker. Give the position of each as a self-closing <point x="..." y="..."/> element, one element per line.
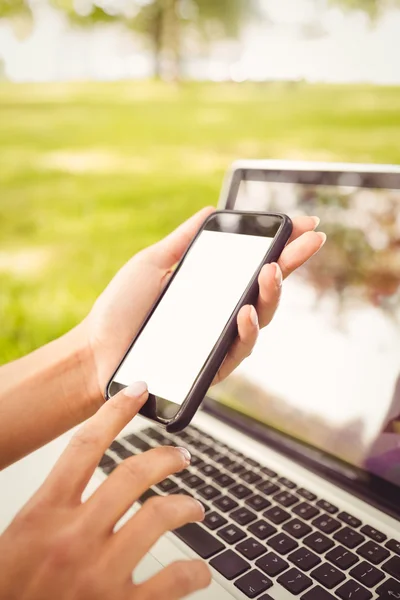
<point x="166" y="253"/>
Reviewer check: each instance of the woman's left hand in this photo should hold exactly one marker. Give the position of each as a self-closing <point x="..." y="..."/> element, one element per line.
<point x="120" y="310"/>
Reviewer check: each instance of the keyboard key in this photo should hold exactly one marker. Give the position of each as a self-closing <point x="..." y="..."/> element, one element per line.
<point x="305" y="511"/>
<point x="295" y="581"/>
<point x="230" y="564"/>
<point x="392" y="566"/>
<point x="318" y="542"/>
<point x="231" y="534"/>
<point x="224" y="480"/>
<point x="137" y="442"/>
<point x="153" y="433"/>
<point x="349" y="519"/>
<point x="199" y="540"/>
<point x="250" y="548"/>
<point x="183" y="474"/>
<point x="374" y="534"/>
<point x="193" y="481"/>
<point x="277" y="515"/>
<point x="389" y="589"/>
<point x="351" y="590"/>
<point x="328" y="575"/>
<point x="272" y="564"/>
<point x="236" y="467"/>
<point x="208" y="492"/>
<point x="306" y="494"/>
<point x="208" y="470"/>
<point x="250" y="477"/>
<point x="282" y="543"/>
<point x="167" y="485"/>
<point x="261" y="529"/>
<point x="304" y="559"/>
<point x="243" y="516"/>
<point x="267" y="487"/>
<point x="297" y="528"/>
<point x="287" y="483"/>
<point x="394" y="546"/>
<point x="120" y="450"/>
<point x="342" y="558"/>
<point x="258" y="502"/>
<point x="225" y="504"/>
<point x="252" y="462"/>
<point x="286" y="499"/>
<point x="372" y="552"/>
<point x="107" y="469"/>
<point x="240" y="491"/>
<point x="326" y="524"/>
<point x="367" y="574"/>
<point x="195" y="460"/>
<point x="253" y="583"/>
<point x="106" y="460"/>
<point x="213" y="520"/>
<point x="327" y="507"/>
<point x="223" y="461"/>
<point x="349" y="538"/>
<point x="317" y="593"/>
<point x="146" y="495"/>
<point x="269" y="472"/>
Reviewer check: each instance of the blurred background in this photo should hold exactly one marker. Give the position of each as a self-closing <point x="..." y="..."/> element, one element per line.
<point x="119" y="118"/>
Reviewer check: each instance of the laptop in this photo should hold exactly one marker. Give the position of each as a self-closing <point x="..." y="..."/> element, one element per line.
<point x="296" y="456"/>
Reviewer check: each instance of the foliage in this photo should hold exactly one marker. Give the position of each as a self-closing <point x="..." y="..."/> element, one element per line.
<point x="92" y="173"/>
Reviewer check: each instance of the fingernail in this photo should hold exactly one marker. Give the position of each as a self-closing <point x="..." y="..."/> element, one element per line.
<point x="253" y="316"/>
<point x="203" y="510"/>
<point x="186" y="454"/>
<point x="278" y="275"/>
<point x="317" y="221"/>
<point x="135" y="390"/>
<point x="322" y="235"/>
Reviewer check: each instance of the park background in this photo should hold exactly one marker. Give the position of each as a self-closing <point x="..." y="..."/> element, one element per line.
<point x="119" y="119"/>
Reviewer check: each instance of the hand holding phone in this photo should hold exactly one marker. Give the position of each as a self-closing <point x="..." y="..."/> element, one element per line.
<point x="187" y="333"/>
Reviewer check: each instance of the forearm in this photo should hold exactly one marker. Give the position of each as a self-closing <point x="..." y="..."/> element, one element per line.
<point x="44" y="394"/>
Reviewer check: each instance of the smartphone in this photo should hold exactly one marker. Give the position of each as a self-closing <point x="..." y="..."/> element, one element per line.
<point x="189" y="330"/>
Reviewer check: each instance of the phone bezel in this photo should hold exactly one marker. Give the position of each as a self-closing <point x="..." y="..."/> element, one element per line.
<point x="189" y="406"/>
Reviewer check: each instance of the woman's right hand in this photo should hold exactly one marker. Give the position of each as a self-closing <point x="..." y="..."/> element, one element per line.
<point x="60" y="547"/>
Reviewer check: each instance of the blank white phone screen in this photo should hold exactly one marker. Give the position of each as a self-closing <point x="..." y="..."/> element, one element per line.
<point x="174" y="345"/>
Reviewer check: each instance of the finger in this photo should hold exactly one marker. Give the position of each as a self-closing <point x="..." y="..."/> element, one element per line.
<point x="77" y="463"/>
<point x="169" y="251"/>
<point x="244" y="343"/>
<point x="302" y="225"/>
<point x="269" y="295"/>
<point x="129" y="481"/>
<point x="157" y="516"/>
<point x="300" y="250"/>
<point x="178" y="580"/>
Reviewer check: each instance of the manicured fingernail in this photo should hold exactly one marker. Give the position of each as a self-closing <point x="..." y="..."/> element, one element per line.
<point x="317" y="221"/>
<point x="322" y="235"/>
<point x="253" y="316"/>
<point x="186" y="454"/>
<point x="135" y="390"/>
<point x="278" y="275"/>
<point x="201" y="506"/>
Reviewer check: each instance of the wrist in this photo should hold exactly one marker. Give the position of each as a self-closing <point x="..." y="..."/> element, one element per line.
<point x="89" y="396"/>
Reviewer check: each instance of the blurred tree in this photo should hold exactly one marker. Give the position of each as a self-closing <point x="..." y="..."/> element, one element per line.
<point x="19" y="13"/>
<point x="374" y="8"/>
<point x="164" y="23"/>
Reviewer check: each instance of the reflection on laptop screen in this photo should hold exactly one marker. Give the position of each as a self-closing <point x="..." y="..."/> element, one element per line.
<point x="327" y="370"/>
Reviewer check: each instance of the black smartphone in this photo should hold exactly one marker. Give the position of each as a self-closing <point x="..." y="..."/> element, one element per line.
<point x="187" y="333"/>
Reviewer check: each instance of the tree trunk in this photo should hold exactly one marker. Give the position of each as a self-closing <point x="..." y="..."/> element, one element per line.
<point x="171" y="41"/>
<point x="158" y="44"/>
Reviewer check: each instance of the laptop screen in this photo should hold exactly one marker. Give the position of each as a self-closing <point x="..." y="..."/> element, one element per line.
<point x="327" y="369"/>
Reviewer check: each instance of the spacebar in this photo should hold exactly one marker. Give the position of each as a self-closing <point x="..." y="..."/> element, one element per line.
<point x="199" y="540"/>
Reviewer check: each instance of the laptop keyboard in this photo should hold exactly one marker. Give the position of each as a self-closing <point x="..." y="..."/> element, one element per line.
<point x="261" y="528"/>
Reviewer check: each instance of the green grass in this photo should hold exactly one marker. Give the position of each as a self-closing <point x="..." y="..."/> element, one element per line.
<point x="91" y="173"/>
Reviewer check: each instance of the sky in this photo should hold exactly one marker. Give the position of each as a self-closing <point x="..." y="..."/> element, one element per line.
<point x="343" y="47"/>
